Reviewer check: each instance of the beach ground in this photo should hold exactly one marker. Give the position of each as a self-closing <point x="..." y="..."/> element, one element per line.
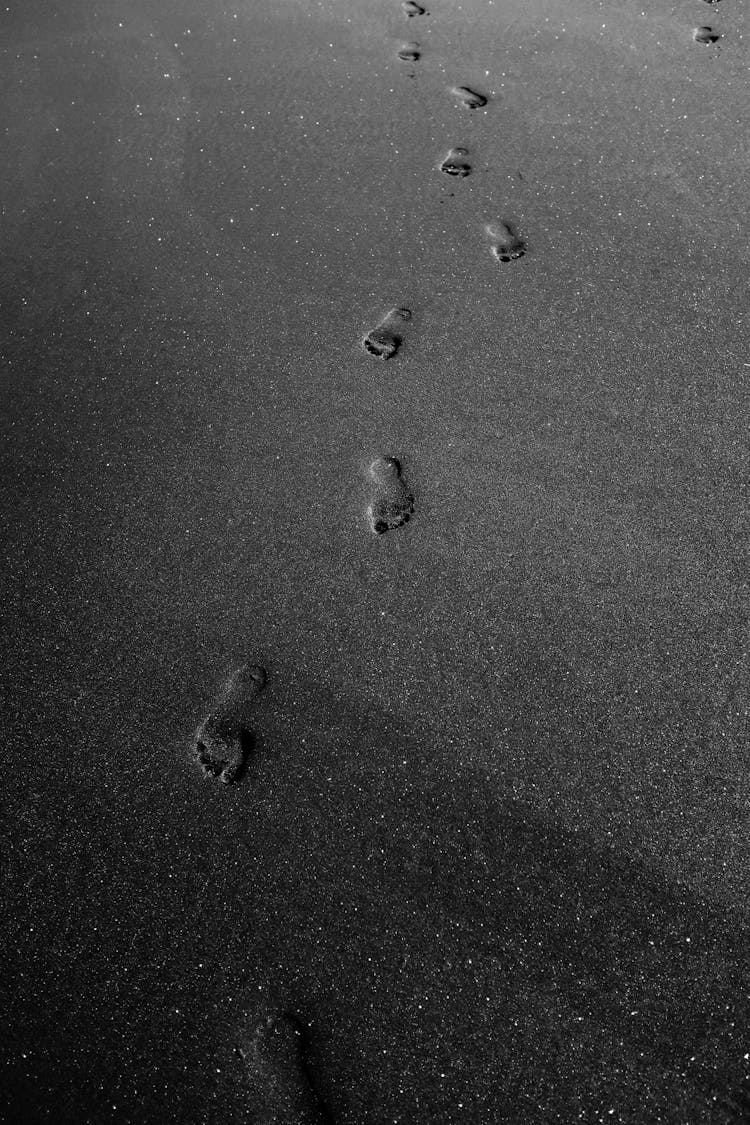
<point x="484" y="841"/>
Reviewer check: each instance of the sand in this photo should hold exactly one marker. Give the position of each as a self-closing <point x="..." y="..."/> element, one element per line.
<point x="489" y="847"/>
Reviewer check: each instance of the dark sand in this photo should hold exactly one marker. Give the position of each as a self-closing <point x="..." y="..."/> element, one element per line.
<point x="490" y="848"/>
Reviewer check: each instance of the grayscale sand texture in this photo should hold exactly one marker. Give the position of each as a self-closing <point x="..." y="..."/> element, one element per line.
<point x="482" y="854"/>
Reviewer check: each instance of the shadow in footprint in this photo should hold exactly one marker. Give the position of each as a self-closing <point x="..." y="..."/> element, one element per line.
<point x="385" y="338"/>
<point x="280" y="1086"/>
<point x="409" y="52"/>
<point x="455" y="164"/>
<point x="224" y="740"/>
<point x="393" y="504"/>
<point x="705" y="35"/>
<point x="469" y="98"/>
<point x="506" y="244"/>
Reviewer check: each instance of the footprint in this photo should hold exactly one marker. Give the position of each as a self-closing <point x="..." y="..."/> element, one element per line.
<point x="393" y="504"/>
<point x="454" y="163"/>
<point x="411" y="9"/>
<point x="281" y="1092"/>
<point x="410" y="52"/>
<point x="506" y="244"/>
<point x="468" y="97"/>
<point x="385" y="338"/>
<point x="705" y="35"/>
<point x="224" y="740"/>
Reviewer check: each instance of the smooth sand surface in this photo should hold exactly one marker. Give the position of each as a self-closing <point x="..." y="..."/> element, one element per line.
<point x="490" y="848"/>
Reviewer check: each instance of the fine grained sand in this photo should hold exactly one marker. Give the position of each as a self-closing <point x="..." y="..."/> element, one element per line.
<point x="490" y="847"/>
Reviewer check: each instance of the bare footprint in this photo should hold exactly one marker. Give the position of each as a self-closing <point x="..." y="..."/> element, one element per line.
<point x="455" y="164"/>
<point x="281" y="1092"/>
<point x="409" y="52"/>
<point x="506" y="244"/>
<point x="393" y="504"/>
<point x="385" y="338"/>
<point x="223" y="739"/>
<point x="411" y="9"/>
<point x="468" y="97"/>
<point x="705" y="35"/>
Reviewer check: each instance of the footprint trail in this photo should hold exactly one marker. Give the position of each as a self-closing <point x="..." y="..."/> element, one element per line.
<point x="281" y="1092"/>
<point x="224" y="740"/>
<point x="385" y="338"/>
<point x="393" y="504"/>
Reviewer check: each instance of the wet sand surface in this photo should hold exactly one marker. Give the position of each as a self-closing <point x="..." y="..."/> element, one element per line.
<point x="483" y="846"/>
